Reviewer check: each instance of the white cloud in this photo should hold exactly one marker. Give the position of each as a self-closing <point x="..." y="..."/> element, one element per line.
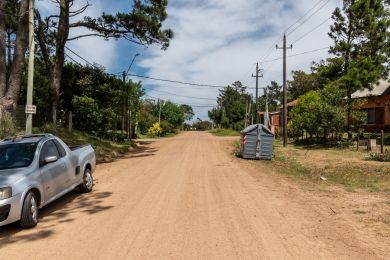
<point x="218" y="42"/>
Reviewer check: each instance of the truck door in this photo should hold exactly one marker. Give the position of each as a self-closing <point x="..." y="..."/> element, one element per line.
<point x="52" y="173"/>
<point x="70" y="169"/>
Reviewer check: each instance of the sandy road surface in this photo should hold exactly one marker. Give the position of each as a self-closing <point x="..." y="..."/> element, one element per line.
<point x="188" y="198"/>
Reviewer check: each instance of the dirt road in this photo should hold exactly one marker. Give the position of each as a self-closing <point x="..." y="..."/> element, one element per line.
<point x="187" y="198"/>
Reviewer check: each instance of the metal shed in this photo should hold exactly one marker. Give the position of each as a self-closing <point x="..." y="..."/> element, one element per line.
<point x="257" y="142"/>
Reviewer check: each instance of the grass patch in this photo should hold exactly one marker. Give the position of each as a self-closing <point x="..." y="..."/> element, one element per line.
<point x="337" y="165"/>
<point x="224" y="132"/>
<point x="105" y="150"/>
<point x="167" y="135"/>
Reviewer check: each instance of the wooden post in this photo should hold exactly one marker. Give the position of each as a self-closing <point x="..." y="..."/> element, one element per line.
<point x="382" y="140"/>
<point x="70" y="121"/>
<point x="358" y="139"/>
<point x="368" y="142"/>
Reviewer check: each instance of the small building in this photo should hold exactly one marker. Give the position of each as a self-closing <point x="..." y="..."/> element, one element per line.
<point x="256" y="142"/>
<point x="276" y="117"/>
<point x="376" y="106"/>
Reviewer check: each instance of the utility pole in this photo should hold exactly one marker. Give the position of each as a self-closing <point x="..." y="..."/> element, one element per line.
<point x="123" y="102"/>
<point x="159" y="112"/>
<point x="266" y="116"/>
<point x="257" y="76"/>
<point x="284" y="90"/>
<point x="250" y="111"/>
<point x="130" y="133"/>
<point x="30" y="81"/>
<point x="246" y="113"/>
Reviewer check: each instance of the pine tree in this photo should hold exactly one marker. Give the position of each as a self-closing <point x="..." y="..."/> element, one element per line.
<point x="361" y="34"/>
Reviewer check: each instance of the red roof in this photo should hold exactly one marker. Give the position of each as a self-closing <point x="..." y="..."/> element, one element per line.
<point x="292" y="103"/>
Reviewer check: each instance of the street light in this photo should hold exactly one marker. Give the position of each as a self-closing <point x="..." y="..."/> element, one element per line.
<point x="131" y="64"/>
<point x="125" y="74"/>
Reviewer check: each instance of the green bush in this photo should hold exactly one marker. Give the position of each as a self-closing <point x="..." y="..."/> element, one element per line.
<point x="167" y="127"/>
<point x="384" y="157"/>
<point x="155" y="130"/>
<point x="7" y="126"/>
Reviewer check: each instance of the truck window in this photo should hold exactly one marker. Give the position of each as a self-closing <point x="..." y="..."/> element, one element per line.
<point x="16" y="155"/>
<point x="48" y="149"/>
<point x="60" y="148"/>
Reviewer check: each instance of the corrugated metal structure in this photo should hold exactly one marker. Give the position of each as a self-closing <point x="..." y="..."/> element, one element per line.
<point x="257" y="142"/>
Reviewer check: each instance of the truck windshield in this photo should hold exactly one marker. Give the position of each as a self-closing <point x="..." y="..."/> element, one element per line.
<point x="16" y="155"/>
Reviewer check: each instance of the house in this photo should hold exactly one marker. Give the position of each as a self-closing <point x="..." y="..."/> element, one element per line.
<point x="376" y="106"/>
<point x="276" y="118"/>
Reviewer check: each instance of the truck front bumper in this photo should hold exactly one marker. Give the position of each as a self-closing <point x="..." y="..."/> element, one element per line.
<point x="10" y="210"/>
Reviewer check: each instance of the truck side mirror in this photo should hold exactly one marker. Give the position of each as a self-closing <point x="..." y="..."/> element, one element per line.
<point x="50" y="159"/>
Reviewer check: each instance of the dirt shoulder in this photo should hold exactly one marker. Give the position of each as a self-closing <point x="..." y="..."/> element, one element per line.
<point x="339" y="181"/>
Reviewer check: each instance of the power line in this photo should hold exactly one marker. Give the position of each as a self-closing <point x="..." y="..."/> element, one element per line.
<point x="177" y="81"/>
<point x="268" y="52"/>
<point x="75" y="61"/>
<point x="308" y="18"/>
<point x="313" y="29"/>
<point x="297" y="54"/>
<point x="191" y="104"/>
<point x="166" y="92"/>
<point x="80" y="57"/>
<point x="303" y="16"/>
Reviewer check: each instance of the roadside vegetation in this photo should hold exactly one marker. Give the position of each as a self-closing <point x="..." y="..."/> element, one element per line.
<point x="337" y="165"/>
<point x="224" y="132"/>
<point x="105" y="150"/>
<point x="85" y="99"/>
<point x="326" y="123"/>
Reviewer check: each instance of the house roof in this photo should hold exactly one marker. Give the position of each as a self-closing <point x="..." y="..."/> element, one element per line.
<point x="292" y="103"/>
<point x="378" y="90"/>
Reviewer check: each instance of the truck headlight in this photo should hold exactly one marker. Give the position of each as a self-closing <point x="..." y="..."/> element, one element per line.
<point x="5" y="193"/>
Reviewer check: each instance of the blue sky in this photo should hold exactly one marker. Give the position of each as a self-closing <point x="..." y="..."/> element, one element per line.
<point x="216" y="42"/>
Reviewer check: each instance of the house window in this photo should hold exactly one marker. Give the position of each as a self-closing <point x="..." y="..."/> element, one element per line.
<point x="370" y="119"/>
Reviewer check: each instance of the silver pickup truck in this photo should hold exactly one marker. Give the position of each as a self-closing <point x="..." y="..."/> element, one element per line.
<point x="36" y="170"/>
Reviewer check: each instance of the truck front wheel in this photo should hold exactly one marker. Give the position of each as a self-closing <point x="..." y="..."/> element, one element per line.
<point x="29" y="216"/>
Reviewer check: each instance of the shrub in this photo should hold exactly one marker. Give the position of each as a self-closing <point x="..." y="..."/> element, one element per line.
<point x="7" y="126"/>
<point x="384" y="157"/>
<point x="155" y="130"/>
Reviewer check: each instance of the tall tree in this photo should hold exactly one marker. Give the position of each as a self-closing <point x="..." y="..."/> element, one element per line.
<point x="3" y="65"/>
<point x="143" y="25"/>
<point x="361" y="33"/>
<point x="275" y="97"/>
<point x="11" y="23"/>
<point x="188" y="112"/>
<point x="9" y="98"/>
<point x="232" y="102"/>
<point x="301" y="83"/>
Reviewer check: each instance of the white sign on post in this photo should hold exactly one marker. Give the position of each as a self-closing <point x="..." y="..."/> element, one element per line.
<point x="31" y="109"/>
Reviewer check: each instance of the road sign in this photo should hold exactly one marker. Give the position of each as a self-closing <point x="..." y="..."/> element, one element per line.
<point x="31" y="109"/>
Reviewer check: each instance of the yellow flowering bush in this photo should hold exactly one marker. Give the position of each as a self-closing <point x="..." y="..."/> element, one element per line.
<point x="155" y="130"/>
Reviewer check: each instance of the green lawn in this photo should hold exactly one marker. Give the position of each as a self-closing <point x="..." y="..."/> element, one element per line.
<point x="224" y="132"/>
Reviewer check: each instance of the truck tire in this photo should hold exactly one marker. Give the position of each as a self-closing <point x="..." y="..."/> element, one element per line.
<point x="87" y="184"/>
<point x="29" y="217"/>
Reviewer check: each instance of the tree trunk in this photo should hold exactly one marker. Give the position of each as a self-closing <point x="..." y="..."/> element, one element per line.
<point x="9" y="50"/>
<point x="21" y="43"/>
<point x="3" y="65"/>
<point x="62" y="37"/>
